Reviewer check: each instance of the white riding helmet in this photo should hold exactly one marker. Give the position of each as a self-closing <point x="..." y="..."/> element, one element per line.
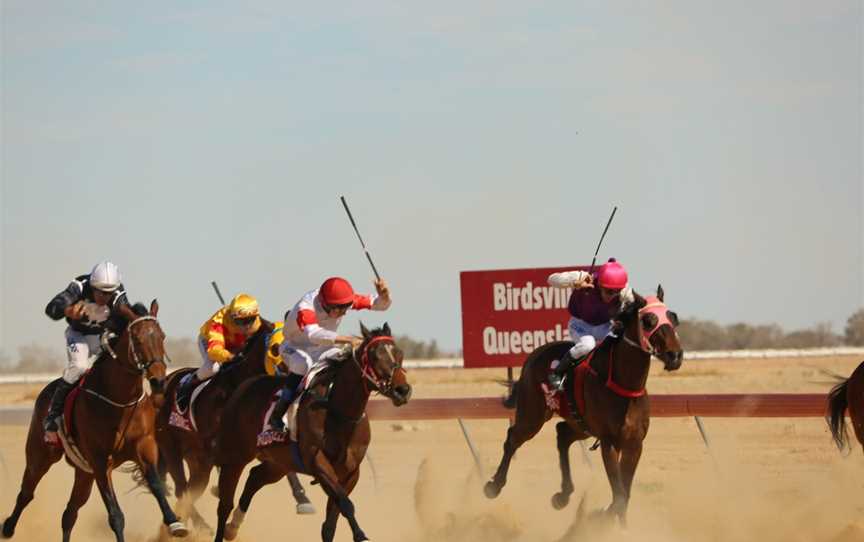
<point x="105" y="276"/>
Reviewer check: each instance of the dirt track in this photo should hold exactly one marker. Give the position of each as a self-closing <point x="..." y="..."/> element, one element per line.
<point x="774" y="480"/>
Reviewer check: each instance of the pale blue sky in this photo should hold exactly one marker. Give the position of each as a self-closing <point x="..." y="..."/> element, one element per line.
<point x="208" y="141"/>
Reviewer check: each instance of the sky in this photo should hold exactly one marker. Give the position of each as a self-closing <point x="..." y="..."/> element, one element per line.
<point x="199" y="141"/>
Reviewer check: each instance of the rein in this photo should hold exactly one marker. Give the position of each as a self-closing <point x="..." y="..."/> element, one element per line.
<point x="368" y="371"/>
<point x="131" y="354"/>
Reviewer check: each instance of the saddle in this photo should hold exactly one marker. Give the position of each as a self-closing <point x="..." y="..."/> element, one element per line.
<point x="186" y="420"/>
<point x="570" y="402"/>
<point x="319" y="376"/>
<point x="65" y="430"/>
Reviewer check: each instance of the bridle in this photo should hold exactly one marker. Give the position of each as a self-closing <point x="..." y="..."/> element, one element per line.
<point x="368" y="371"/>
<point x="132" y="354"/>
<point x="658" y="308"/>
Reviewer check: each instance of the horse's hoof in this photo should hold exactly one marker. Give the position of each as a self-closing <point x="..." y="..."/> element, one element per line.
<point x="8" y="529"/>
<point x="560" y="500"/>
<point x="305" y="508"/>
<point x="178" y="529"/>
<point x="231" y="531"/>
<point x="491" y="490"/>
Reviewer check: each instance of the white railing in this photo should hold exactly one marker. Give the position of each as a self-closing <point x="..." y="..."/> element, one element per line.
<point x="456" y="363"/>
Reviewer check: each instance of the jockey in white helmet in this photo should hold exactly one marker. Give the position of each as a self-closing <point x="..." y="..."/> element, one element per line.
<point x="89" y="304"/>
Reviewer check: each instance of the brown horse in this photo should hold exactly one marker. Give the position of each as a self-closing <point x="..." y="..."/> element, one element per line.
<point x="113" y="421"/>
<point x="333" y="431"/>
<point x="616" y="403"/>
<point x="196" y="447"/>
<point x="847" y="394"/>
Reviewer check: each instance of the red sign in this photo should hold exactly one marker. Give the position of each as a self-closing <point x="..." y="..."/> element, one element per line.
<point x="508" y="313"/>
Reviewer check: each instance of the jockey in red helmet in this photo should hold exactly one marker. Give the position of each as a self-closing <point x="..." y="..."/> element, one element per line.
<point x="596" y="299"/>
<point x="310" y="332"/>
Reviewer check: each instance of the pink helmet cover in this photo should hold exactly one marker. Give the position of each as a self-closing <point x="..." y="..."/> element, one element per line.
<point x="612" y="275"/>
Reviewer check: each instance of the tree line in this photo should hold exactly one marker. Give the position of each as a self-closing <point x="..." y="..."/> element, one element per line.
<point x="695" y="334"/>
<point x="698" y="334"/>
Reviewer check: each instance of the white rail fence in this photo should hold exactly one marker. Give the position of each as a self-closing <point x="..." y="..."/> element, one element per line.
<point x="456" y="363"/>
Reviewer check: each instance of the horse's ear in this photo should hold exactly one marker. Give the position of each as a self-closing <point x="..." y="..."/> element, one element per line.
<point x="364" y="331"/>
<point x="660" y="292"/>
<point x="154" y="308"/>
<point x="639" y="300"/>
<point x="386" y="329"/>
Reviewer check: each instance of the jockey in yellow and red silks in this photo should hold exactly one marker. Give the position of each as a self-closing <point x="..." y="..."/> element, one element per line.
<point x="220" y="339"/>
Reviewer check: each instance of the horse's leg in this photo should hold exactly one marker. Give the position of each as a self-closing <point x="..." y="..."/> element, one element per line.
<point x="326" y="475"/>
<point x="229" y="475"/>
<point x="199" y="474"/>
<point x="116" y="520"/>
<point x="530" y="417"/>
<point x="260" y="475"/>
<point x="630" y="454"/>
<point x="328" y="528"/>
<point x="40" y="457"/>
<point x="612" y="464"/>
<point x="148" y="459"/>
<point x="566" y="437"/>
<point x="304" y="506"/>
<point x="77" y="499"/>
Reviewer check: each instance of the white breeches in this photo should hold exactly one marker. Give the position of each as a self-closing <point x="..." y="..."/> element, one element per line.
<point x="301" y="361"/>
<point x="585" y="336"/>
<point x="81" y="351"/>
<point x="208" y="366"/>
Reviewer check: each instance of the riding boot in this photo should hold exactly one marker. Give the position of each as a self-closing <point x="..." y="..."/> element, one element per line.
<point x="58" y="400"/>
<point x="184" y="392"/>
<point x="556" y="379"/>
<point x="286" y="397"/>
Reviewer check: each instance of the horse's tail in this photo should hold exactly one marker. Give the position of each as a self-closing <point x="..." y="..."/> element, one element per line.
<point x="510" y="400"/>
<point x="837" y="403"/>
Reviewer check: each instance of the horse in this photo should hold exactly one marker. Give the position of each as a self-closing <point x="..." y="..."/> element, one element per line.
<point x="847" y="394"/>
<point x="195" y="446"/>
<point x="332" y="427"/>
<point x="615" y="400"/>
<point x="112" y="421"/>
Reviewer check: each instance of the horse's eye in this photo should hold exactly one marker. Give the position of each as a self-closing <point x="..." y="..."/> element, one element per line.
<point x="672" y="318"/>
<point x="649" y="321"/>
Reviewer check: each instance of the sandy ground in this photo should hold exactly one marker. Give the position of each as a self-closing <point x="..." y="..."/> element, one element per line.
<point x="770" y="480"/>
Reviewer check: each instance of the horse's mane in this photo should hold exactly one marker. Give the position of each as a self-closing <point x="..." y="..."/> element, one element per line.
<point x="346" y="354"/>
<point x="139" y="309"/>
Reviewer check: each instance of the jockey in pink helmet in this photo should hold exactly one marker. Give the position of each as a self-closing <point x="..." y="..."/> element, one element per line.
<point x="596" y="299"/>
<point x="310" y="333"/>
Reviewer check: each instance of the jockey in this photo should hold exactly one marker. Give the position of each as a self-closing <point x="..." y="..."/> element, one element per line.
<point x="310" y="333"/>
<point x="90" y="305"/>
<point x="219" y="340"/>
<point x="591" y="310"/>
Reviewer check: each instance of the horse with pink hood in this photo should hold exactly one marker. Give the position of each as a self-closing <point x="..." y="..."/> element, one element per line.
<point x="596" y="299"/>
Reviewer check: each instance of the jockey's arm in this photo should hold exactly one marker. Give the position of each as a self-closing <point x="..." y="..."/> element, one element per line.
<point x="56" y="308"/>
<point x="570" y="279"/>
<point x="218" y="353"/>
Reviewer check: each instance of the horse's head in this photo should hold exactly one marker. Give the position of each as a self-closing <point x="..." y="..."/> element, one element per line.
<point x="381" y="363"/>
<point x="146" y="345"/>
<point x="653" y="325"/>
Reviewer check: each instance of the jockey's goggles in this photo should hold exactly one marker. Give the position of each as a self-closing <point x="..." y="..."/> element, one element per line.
<point x="342" y="307"/>
<point x="610" y="292"/>
<point x="245" y="320"/>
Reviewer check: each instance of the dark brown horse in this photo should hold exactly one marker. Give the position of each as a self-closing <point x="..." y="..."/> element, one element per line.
<point x="332" y="436"/>
<point x="113" y="421"/>
<point x="847" y="394"/>
<point x="196" y="447"/>
<point x="616" y="404"/>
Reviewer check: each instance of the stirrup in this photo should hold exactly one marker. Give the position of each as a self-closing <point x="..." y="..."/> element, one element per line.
<point x="557" y="381"/>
